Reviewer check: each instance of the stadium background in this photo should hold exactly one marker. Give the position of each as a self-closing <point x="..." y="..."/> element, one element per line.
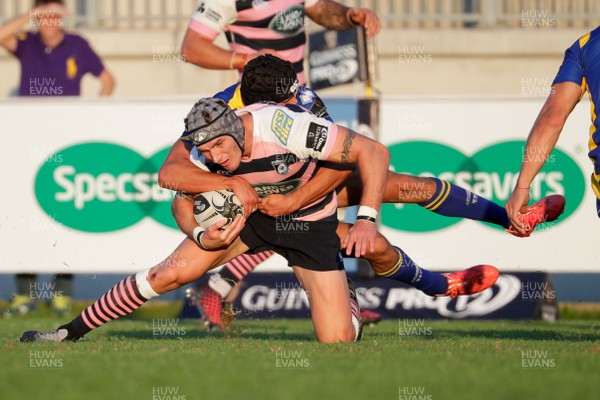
<point x="460" y="76"/>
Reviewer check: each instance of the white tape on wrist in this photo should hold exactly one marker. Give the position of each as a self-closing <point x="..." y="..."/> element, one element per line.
<point x="366" y="211"/>
<point x="196" y="233"/>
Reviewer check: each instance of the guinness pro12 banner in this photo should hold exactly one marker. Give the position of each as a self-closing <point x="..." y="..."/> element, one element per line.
<point x="514" y="296"/>
<point x="338" y="57"/>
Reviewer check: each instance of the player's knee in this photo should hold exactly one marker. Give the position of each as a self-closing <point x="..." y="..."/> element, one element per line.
<point x="382" y="250"/>
<point x="166" y="276"/>
<point x="381" y="244"/>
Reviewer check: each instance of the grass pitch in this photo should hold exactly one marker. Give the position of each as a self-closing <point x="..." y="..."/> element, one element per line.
<point x="166" y="358"/>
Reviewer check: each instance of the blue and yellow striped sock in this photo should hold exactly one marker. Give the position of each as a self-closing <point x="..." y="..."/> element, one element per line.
<point x="453" y="201"/>
<point x="407" y="271"/>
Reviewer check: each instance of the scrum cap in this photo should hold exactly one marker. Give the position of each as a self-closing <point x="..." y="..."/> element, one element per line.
<point x="210" y="118"/>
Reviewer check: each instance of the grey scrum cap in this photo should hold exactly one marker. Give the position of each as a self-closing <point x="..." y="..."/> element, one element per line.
<point x="210" y="118"/>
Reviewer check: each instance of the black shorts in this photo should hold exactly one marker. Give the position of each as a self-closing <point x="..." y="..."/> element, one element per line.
<point x="312" y="245"/>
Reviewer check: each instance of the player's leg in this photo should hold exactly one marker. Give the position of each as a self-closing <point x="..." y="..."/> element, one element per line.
<point x="329" y="304"/>
<point x="210" y="294"/>
<point x="187" y="263"/>
<point x="313" y="249"/>
<point x="236" y="269"/>
<point x="391" y="262"/>
<point x="445" y="198"/>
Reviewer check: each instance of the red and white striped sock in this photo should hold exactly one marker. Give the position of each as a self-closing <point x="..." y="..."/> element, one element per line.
<point x="123" y="299"/>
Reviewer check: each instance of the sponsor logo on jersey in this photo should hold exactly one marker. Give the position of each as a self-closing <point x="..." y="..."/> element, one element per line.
<point x="316" y="137"/>
<point x="265" y="189"/>
<point x="281" y="167"/>
<point x="288" y="22"/>
<point x="306" y="97"/>
<point x="281" y="125"/>
<point x="209" y="13"/>
<point x="319" y="109"/>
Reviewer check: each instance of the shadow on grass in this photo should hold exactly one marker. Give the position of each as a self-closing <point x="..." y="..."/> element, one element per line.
<point x="202" y="334"/>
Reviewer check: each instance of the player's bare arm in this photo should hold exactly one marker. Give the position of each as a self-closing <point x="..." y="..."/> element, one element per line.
<point x="333" y="15"/>
<point x="201" y="51"/>
<point x="373" y="160"/>
<point x="323" y="182"/>
<point x="178" y="173"/>
<point x="540" y="143"/>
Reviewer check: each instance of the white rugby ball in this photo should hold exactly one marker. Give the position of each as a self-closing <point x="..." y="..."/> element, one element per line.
<point x="215" y="206"/>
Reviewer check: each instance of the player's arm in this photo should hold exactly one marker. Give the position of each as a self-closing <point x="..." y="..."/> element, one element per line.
<point x="206" y="24"/>
<point x="373" y="161"/>
<point x="344" y="146"/>
<point x="540" y="143"/>
<point x="179" y="173"/>
<point x="322" y="183"/>
<point x="209" y="20"/>
<point x="333" y="15"/>
<point x="201" y="51"/>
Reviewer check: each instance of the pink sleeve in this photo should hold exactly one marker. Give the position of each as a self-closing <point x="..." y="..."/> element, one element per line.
<point x="202" y="29"/>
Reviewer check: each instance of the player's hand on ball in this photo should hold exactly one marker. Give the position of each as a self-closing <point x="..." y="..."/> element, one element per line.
<point x="361" y="238"/>
<point x="215" y="238"/>
<point x="275" y="205"/>
<point x="245" y="193"/>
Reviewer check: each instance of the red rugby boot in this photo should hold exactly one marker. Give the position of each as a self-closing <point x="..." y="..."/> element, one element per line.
<point x="472" y="280"/>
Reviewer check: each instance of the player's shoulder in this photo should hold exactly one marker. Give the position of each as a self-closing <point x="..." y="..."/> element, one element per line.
<point x="265" y="108"/>
<point x="308" y="98"/>
<point x="296" y="108"/>
<point x="242" y="5"/>
<point x="305" y="96"/>
<point x="592" y="39"/>
<point x="217" y="11"/>
<point x="232" y="96"/>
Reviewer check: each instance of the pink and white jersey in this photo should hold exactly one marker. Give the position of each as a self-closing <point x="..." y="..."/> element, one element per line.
<point x="287" y="142"/>
<point x="252" y="25"/>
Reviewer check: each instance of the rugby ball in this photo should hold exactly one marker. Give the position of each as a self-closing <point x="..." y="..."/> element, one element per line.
<point x="215" y="206"/>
